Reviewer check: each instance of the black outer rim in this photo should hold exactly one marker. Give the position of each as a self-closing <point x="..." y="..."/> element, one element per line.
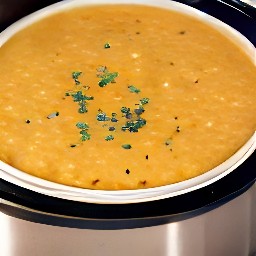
<point x="114" y="216"/>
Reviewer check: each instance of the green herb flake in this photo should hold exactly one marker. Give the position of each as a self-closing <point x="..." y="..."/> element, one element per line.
<point x="109" y="137"/>
<point x="134" y="126"/>
<point x="81" y="99"/>
<point x="82" y="125"/>
<point x="102" y="117"/>
<point x="113" y="118"/>
<point x="75" y="76"/>
<point x="144" y="101"/>
<point x="85" y="136"/>
<point x="133" y="89"/>
<point x="126" y="146"/>
<point x="107" y="45"/>
<point x="82" y="109"/>
<point x="109" y="78"/>
<point x="125" y="110"/>
<point x="79" y="96"/>
<point x="106" y="76"/>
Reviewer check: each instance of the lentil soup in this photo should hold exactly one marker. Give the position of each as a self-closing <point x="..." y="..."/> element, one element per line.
<point x="116" y="97"/>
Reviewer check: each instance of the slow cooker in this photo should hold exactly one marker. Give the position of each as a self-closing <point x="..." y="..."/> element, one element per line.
<point x="216" y="217"/>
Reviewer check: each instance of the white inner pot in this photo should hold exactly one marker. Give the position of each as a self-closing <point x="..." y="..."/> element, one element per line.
<point x="25" y="180"/>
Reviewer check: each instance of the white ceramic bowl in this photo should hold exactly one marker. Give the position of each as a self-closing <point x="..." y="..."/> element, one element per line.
<point x="45" y="187"/>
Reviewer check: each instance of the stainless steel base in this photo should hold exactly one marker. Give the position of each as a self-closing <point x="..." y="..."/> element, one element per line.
<point x="229" y="230"/>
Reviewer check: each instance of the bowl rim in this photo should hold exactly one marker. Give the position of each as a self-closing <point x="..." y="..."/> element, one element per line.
<point x="53" y="189"/>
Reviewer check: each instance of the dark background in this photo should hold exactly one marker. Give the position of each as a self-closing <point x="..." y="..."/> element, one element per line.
<point x="12" y="10"/>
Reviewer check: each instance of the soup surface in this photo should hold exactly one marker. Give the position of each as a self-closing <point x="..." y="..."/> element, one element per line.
<point x="123" y="97"/>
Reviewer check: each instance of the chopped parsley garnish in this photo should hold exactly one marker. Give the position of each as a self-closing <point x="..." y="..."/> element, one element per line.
<point x="113" y="118"/>
<point x="125" y="110"/>
<point x="79" y="96"/>
<point x="106" y="76"/>
<point x="101" y="116"/>
<point x="52" y="115"/>
<point x="107" y="45"/>
<point x="130" y="118"/>
<point x="75" y="76"/>
<point x="144" y="101"/>
<point x="133" y="89"/>
<point x="84" y="134"/>
<point x="81" y="99"/>
<point x="109" y="137"/>
<point x="126" y="146"/>
<point x="134" y="126"/>
<point x="82" y="125"/>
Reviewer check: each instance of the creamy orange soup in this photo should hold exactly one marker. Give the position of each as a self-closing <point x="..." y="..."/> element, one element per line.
<point x="123" y="97"/>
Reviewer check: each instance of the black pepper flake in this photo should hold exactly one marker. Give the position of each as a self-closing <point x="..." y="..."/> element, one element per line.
<point x="138" y="21"/>
<point x="138" y="33"/>
<point x="94" y="182"/>
<point x="27" y="121"/>
<point x="176" y="118"/>
<point x="183" y="32"/>
<point x="147" y="157"/>
<point x="73" y="145"/>
<point x="127" y="171"/>
<point x="171" y="63"/>
<point x="111" y="128"/>
<point x="196" y="81"/>
<point x="177" y="129"/>
<point x="143" y="182"/>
